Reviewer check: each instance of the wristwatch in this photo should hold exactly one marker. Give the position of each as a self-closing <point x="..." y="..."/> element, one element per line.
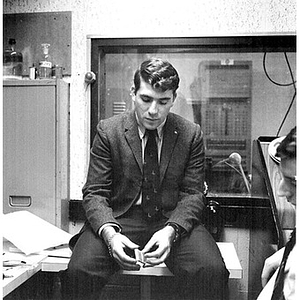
<point x="177" y="231"/>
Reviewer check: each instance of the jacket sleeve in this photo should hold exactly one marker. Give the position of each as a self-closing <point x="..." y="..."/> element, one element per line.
<point x="191" y="200"/>
<point x="97" y="189"/>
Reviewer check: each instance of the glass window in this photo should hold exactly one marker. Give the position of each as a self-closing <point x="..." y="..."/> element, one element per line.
<point x="237" y="89"/>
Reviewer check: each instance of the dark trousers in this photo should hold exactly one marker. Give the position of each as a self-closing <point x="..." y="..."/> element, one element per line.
<point x="195" y="260"/>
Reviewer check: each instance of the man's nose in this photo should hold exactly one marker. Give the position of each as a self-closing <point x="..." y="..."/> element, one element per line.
<point x="153" y="109"/>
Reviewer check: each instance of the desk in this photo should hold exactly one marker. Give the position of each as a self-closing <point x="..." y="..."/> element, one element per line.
<point x="20" y="274"/>
<point x="34" y="263"/>
<point x="46" y="263"/>
<point x="56" y="264"/>
<point x="227" y="251"/>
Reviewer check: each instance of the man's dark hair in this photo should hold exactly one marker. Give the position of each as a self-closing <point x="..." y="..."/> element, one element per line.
<point x="160" y="74"/>
<point x="287" y="148"/>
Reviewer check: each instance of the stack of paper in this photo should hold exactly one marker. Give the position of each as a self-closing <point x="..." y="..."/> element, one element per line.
<point x="31" y="234"/>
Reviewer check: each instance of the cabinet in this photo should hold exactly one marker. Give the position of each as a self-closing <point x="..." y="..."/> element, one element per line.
<point x="225" y="89"/>
<point x="224" y="106"/>
<point x="36" y="148"/>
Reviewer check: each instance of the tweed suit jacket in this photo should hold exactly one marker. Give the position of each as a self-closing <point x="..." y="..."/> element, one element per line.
<point x="115" y="172"/>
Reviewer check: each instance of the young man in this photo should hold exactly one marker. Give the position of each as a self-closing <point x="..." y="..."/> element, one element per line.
<point x="283" y="287"/>
<point x="159" y="211"/>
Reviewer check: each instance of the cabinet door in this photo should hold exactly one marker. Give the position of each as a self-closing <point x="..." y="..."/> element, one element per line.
<point x="29" y="150"/>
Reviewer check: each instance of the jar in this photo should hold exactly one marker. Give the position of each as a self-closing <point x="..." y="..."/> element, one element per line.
<point x="12" y="62"/>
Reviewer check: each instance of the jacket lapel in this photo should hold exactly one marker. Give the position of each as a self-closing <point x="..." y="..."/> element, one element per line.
<point x="132" y="137"/>
<point x="169" y="141"/>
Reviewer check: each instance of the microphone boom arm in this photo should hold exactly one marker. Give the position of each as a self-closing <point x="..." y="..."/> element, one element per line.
<point x="244" y="178"/>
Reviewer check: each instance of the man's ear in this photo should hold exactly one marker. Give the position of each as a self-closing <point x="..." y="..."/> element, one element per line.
<point x="174" y="97"/>
<point x="132" y="91"/>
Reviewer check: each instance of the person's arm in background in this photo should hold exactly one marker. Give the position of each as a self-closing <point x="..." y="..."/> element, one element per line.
<point x="271" y="265"/>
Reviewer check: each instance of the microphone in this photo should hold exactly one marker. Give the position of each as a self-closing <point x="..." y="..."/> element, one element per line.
<point x="235" y="158"/>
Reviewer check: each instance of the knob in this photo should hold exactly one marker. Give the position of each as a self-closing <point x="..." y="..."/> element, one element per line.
<point x="89" y="77"/>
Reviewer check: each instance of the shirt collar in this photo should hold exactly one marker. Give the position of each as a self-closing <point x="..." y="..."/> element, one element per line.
<point x="142" y="129"/>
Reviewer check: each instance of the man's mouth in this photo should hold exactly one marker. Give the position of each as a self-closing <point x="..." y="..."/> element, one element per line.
<point x="152" y="120"/>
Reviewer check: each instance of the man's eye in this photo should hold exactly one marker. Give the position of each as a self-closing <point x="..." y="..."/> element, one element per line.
<point x="164" y="102"/>
<point x="146" y="99"/>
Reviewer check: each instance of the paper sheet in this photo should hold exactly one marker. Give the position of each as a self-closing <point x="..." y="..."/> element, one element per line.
<point x="31" y="234"/>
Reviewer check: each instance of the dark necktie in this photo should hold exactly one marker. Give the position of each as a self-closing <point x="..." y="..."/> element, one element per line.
<point x="279" y="282"/>
<point x="150" y="193"/>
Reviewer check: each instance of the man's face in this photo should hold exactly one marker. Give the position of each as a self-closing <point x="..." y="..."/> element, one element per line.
<point x="152" y="106"/>
<point x="287" y="185"/>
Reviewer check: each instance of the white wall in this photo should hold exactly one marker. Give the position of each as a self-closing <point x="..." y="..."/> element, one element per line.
<point x="136" y="18"/>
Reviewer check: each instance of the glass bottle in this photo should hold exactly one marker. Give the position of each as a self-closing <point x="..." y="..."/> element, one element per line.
<point x="45" y="64"/>
<point x="12" y="61"/>
<point x="32" y="72"/>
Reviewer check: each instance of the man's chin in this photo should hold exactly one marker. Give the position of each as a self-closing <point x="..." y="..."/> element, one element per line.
<point x="151" y="125"/>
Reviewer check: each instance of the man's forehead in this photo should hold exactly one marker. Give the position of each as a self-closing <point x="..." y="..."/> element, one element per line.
<point x="148" y="90"/>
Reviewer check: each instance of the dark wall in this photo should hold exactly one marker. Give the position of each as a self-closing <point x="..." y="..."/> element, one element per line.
<point x="30" y="30"/>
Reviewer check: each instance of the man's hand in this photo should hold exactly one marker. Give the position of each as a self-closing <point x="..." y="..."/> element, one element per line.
<point x="270" y="266"/>
<point x="161" y="242"/>
<point x="119" y="245"/>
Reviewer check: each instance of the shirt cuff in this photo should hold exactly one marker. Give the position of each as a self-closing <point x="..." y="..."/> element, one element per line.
<point x="117" y="228"/>
<point x="178" y="230"/>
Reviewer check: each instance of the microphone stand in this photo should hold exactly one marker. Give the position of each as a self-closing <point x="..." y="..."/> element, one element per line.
<point x="235" y="158"/>
<point x="231" y="166"/>
<point x="244" y="178"/>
